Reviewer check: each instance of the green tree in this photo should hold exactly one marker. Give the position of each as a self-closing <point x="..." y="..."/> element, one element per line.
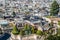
<point x="14" y="14"/>
<point x="21" y="32"/>
<point x="53" y="37"/>
<point x="54" y="8"/>
<point x="32" y="29"/>
<point x="1" y="31"/>
<point x="50" y="31"/>
<point x="39" y="32"/>
<point x="27" y="29"/>
<point x="15" y="30"/>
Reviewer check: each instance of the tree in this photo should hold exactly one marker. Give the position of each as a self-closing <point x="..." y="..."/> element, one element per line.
<point x="27" y="29"/>
<point x="14" y="14"/>
<point x="1" y="31"/>
<point x="54" y="8"/>
<point x="32" y="29"/>
<point x="39" y="32"/>
<point x="50" y="37"/>
<point x="15" y="30"/>
<point x="21" y="32"/>
<point x="53" y="37"/>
